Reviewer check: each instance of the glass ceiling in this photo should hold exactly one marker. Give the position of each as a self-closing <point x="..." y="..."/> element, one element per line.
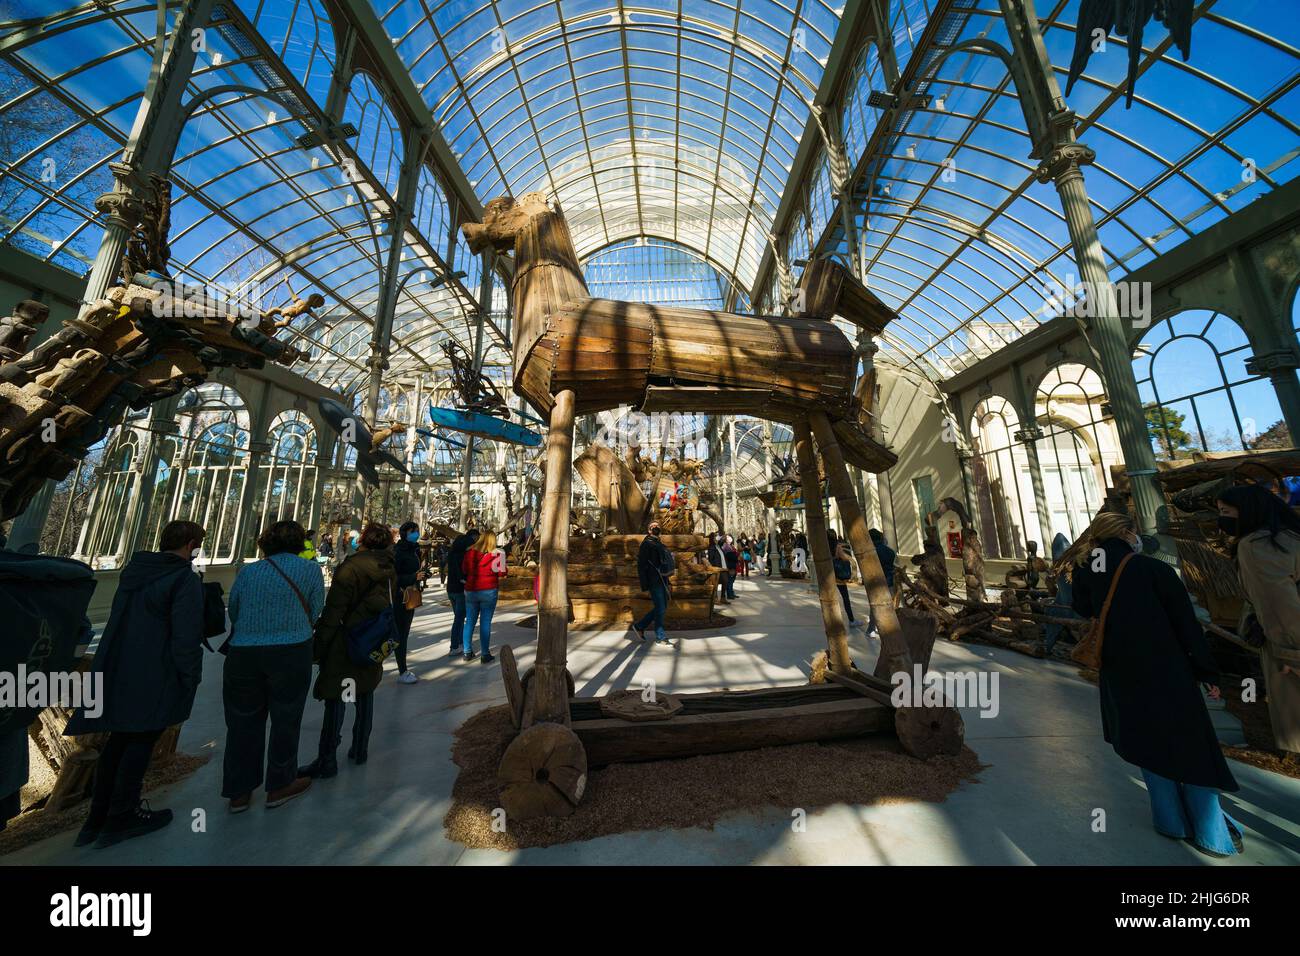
<point x="671" y="123"/>
<point x="968" y="247"/>
<point x="677" y="119"/>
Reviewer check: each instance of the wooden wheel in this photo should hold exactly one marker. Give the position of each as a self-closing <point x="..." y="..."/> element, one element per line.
<point x="568" y="679"/>
<point x="514" y="687"/>
<point x="543" y="773"/>
<point x="925" y="732"/>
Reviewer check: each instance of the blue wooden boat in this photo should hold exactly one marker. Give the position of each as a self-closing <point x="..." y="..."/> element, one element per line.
<point x="483" y="426"/>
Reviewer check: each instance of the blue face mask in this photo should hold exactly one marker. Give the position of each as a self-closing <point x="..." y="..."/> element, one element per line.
<point x="413" y="537"/>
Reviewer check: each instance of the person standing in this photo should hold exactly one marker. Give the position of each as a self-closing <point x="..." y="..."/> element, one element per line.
<point x="732" y="558"/>
<point x="406" y="561"/>
<point x="718" y="559"/>
<point x="455" y="576"/>
<point x="274" y="604"/>
<point x="149" y="663"/>
<point x="364" y="587"/>
<point x="484" y="566"/>
<point x="654" y="566"/>
<point x="1266" y="544"/>
<point x="1153" y="653"/>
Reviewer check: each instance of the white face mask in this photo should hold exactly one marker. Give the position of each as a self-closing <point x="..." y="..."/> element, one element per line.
<point x="1136" y="545"/>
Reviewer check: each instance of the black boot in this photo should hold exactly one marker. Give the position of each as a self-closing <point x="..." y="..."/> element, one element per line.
<point x="90" y="830"/>
<point x="322" y="768"/>
<point x="133" y="823"/>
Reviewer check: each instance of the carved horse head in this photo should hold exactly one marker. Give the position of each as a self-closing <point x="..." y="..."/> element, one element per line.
<point x="503" y="217"/>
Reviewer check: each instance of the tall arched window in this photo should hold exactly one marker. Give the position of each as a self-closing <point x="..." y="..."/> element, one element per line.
<point x="379" y="140"/>
<point x="300" y="33"/>
<point x="859" y="119"/>
<point x="1198" y="396"/>
<point x="1004" y="500"/>
<point x="104" y="541"/>
<point x="1078" y="446"/>
<point x="288" y="478"/>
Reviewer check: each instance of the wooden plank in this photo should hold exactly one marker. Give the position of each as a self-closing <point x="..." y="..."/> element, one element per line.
<point x="609" y="740"/>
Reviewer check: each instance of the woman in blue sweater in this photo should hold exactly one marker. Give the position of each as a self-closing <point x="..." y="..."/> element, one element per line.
<point x="273" y="608"/>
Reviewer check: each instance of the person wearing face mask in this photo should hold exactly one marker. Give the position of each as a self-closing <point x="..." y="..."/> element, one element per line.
<point x="406" y="557"/>
<point x="654" y="566"/>
<point x="150" y="662"/>
<point x="718" y="559"/>
<point x="1266" y="545"/>
<point x="1153" y="654"/>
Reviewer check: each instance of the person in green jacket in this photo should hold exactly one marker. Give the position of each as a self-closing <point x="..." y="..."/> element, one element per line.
<point x="309" y="547"/>
<point x="363" y="586"/>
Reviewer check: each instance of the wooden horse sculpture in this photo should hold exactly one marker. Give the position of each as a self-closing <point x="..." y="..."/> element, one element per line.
<point x="577" y="354"/>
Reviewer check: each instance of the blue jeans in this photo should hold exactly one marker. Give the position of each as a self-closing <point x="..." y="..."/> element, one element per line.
<point x="1186" y="811"/>
<point x="479" y="606"/>
<point x="659" y="595"/>
<point x="731" y="584"/>
<point x="458" y="619"/>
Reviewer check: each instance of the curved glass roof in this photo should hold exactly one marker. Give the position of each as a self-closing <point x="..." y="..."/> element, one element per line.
<point x="969" y="248"/>
<point x="678" y="124"/>
<point x="677" y="119"/>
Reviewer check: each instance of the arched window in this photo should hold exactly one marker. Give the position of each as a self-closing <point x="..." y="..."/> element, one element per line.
<point x="104" y="542"/>
<point x="1004" y="500"/>
<point x="859" y="119"/>
<point x="287" y="480"/>
<point x="655" y="271"/>
<point x="1198" y="396"/>
<point x="212" y="466"/>
<point x="379" y="141"/>
<point x="1077" y="448"/>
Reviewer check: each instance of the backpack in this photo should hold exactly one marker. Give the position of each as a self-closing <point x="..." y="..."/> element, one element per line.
<point x="372" y="640"/>
<point x="43" y="603"/>
<point x="843" y="570"/>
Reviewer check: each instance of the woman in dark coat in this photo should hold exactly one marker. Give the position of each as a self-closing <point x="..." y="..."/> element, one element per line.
<point x="364" y="585"/>
<point x="407" y="561"/>
<point x="1153" y="654"/>
<point x="150" y="659"/>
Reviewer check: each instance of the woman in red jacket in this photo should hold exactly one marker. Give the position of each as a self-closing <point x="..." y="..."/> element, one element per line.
<point x="484" y="566"/>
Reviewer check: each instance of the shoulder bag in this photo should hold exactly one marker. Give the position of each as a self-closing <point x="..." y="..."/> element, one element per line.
<point x="1088" y="651"/>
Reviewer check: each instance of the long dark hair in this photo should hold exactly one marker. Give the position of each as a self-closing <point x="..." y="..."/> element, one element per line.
<point x="1258" y="509"/>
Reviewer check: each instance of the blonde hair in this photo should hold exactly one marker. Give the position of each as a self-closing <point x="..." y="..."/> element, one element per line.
<point x="1107" y="524"/>
<point x="487" y="541"/>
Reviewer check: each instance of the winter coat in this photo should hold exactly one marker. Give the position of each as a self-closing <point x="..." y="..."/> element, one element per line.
<point x="151" y="652"/>
<point x="654" y="563"/>
<point x="363" y="586"/>
<point x="1153" y="654"/>
<point x="455" y="560"/>
<point x="480" y="569"/>
<point x="887" y="556"/>
<point x="406" y="560"/>
<point x="732" y="557"/>
<point x="1269" y="577"/>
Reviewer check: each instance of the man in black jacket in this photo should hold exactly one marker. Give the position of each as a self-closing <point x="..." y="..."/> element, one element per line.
<point x="151" y="661"/>
<point x="654" y="565"/>
<point x="455" y="578"/>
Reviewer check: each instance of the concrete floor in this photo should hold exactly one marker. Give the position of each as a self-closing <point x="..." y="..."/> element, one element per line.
<point x="1048" y="768"/>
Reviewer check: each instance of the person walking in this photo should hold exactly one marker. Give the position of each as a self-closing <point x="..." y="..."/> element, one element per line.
<point x="149" y="663"/>
<point x="406" y="561"/>
<point x="1153" y="653"/>
<point x="746" y="556"/>
<point x="654" y="566"/>
<point x="274" y="605"/>
<point x="364" y="586"/>
<point x="455" y="578"/>
<point x="1266" y="544"/>
<point x="887" y="557"/>
<point x="843" y="565"/>
<point x="484" y="566"/>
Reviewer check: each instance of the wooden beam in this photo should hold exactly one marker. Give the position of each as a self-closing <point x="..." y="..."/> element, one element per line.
<point x="893" y="646"/>
<point x="837" y="632"/>
<point x="549" y="697"/>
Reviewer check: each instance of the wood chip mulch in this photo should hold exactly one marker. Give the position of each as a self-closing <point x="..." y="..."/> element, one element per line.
<point x="35" y="824"/>
<point x="696" y="791"/>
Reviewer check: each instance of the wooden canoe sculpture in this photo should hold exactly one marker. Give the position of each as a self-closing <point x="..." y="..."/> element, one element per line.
<point x="574" y="353"/>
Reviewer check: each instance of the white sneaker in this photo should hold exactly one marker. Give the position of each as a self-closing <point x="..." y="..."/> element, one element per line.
<point x="407" y="678"/>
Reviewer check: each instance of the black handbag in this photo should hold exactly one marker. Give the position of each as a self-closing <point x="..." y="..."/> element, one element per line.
<point x="214" y="610"/>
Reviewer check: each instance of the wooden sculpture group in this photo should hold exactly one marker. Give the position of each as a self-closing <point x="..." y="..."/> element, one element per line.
<point x="577" y="354"/>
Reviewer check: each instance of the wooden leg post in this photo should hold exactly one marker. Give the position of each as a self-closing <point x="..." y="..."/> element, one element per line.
<point x="837" y="633"/>
<point x="893" y="645"/>
<point x="550" y="694"/>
